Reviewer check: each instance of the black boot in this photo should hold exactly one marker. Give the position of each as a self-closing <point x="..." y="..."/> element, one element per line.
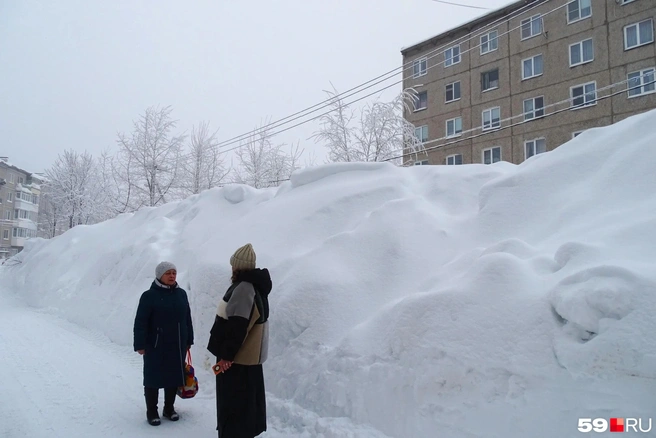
<point x="152" y="396"/>
<point x="169" y="399"/>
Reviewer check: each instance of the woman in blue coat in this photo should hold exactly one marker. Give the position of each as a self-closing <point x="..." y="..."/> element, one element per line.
<point x="163" y="333"/>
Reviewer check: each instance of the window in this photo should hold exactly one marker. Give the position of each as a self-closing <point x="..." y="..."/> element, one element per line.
<point x="627" y="1"/>
<point x="422" y="133"/>
<point x="639" y="34"/>
<point x="421" y="163"/>
<point x="533" y="108"/>
<point x="422" y="101"/>
<point x="11" y="178"/>
<point x="452" y="56"/>
<point x="489" y="42"/>
<point x="581" y="53"/>
<point x="491" y="118"/>
<point x="642" y="82"/>
<point x="453" y="92"/>
<point x="20" y="180"/>
<point x="5" y="234"/>
<point x="492" y="155"/>
<point x="578" y="10"/>
<point x="534" y="147"/>
<point x="584" y="95"/>
<point x="490" y="80"/>
<point x="22" y="214"/>
<point x="7" y="215"/>
<point x="24" y="232"/>
<point x="454" y="160"/>
<point x="454" y="127"/>
<point x="531" y="27"/>
<point x="576" y="134"/>
<point x="10" y="197"/>
<point x="532" y="67"/>
<point x="419" y="67"/>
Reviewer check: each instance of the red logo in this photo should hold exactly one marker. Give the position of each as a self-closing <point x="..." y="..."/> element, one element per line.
<point x="617" y="424"/>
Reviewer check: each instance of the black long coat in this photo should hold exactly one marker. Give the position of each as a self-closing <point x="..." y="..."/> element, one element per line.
<point x="240" y="391"/>
<point x="163" y="328"/>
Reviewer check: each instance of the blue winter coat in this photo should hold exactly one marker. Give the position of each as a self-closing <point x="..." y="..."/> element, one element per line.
<point x="163" y="328"/>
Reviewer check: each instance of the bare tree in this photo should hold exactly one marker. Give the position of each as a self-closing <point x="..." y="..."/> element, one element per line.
<point x="336" y="130"/>
<point x="380" y="134"/>
<point x="203" y="167"/>
<point x="263" y="164"/>
<point x="148" y="163"/>
<point x="50" y="219"/>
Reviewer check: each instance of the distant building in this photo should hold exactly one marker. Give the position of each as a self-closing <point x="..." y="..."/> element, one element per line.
<point x="19" y="207"/>
<point x="523" y="58"/>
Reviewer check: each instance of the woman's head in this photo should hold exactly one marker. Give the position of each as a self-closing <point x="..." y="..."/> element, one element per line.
<point x="166" y="273"/>
<point x="243" y="259"/>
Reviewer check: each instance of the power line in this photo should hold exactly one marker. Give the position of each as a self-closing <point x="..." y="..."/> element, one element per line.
<point x="459" y="4"/>
<point x="495" y="130"/>
<point x="222" y="145"/>
<point x="377" y="80"/>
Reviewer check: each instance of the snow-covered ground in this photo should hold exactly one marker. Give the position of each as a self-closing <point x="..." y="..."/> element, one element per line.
<point x="432" y="301"/>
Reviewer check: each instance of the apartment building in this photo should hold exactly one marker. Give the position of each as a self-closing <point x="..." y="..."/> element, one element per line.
<point x="19" y="207"/>
<point x="526" y="78"/>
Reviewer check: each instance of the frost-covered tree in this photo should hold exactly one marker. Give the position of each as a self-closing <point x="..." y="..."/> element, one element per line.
<point x="261" y="163"/>
<point x="203" y="166"/>
<point x="148" y="162"/>
<point x="73" y="191"/>
<point x="380" y="133"/>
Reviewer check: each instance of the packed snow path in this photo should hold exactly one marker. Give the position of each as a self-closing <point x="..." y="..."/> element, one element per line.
<point x="64" y="381"/>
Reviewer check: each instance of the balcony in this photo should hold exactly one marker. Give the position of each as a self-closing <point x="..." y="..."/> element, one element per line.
<point x="25" y="223"/>
<point x="18" y="241"/>
<point x="24" y="205"/>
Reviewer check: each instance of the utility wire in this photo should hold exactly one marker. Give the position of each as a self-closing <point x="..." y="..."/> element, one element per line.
<point x="501" y="128"/>
<point x="459" y="4"/>
<point x="228" y="143"/>
<point x="494" y="131"/>
<point x="371" y="83"/>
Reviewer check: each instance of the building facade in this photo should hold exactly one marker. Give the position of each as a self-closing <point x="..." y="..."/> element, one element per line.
<point x="527" y="78"/>
<point x="19" y="208"/>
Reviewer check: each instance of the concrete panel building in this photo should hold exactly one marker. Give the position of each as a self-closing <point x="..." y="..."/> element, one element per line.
<point x="527" y="78"/>
<point x="19" y="208"/>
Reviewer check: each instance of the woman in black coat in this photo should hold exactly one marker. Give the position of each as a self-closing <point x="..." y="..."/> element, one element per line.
<point x="239" y="340"/>
<point x="163" y="333"/>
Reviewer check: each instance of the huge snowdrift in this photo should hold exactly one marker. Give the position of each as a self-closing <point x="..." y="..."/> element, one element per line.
<point x="451" y="301"/>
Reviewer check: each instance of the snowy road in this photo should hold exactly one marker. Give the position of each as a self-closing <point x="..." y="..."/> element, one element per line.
<point x="64" y="381"/>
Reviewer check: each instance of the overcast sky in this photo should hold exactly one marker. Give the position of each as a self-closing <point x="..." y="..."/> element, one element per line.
<point x="74" y="73"/>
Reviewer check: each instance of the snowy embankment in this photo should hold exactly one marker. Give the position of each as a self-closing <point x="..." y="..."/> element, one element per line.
<point x="460" y="301"/>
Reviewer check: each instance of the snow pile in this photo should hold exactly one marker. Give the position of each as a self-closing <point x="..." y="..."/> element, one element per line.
<point x="460" y="301"/>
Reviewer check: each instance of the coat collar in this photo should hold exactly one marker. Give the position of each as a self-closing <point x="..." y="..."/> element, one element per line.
<point x="163" y="286"/>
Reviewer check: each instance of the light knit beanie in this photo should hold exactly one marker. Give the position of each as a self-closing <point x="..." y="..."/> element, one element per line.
<point x="243" y="258"/>
<point x="162" y="268"/>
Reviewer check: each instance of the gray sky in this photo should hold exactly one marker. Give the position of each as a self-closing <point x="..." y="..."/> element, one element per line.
<point x="74" y="73"/>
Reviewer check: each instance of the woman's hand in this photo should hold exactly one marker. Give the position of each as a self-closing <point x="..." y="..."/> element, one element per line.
<point x="141" y="352"/>
<point x="222" y="366"/>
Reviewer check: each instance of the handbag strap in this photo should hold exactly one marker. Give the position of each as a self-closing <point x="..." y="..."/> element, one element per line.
<point x="189" y="356"/>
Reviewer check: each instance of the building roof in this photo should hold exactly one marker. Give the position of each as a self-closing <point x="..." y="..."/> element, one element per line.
<point x="470" y="25"/>
<point x="6" y="163"/>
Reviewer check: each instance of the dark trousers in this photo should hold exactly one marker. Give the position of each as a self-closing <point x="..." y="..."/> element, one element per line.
<point x="152" y="398"/>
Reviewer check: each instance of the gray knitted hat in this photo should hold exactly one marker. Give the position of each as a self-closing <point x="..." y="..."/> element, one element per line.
<point x="162" y="268"/>
<point x="243" y="258"/>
